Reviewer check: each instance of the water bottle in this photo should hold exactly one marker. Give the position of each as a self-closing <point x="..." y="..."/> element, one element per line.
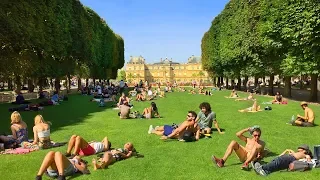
<point x="292" y="118"/>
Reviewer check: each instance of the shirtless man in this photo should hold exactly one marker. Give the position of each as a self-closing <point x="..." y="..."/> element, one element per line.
<point x="168" y="131"/>
<point x="277" y="99"/>
<point x="83" y="148"/>
<point x="308" y="118"/>
<point x="283" y="161"/>
<point x="252" y="151"/>
<point x="253" y="108"/>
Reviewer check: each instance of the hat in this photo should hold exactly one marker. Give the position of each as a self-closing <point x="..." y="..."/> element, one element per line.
<point x="303" y="103"/>
<point x="304" y="146"/>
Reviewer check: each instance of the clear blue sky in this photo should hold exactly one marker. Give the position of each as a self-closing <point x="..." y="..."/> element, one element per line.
<point x="159" y="28"/>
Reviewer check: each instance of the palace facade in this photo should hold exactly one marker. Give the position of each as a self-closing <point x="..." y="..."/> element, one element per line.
<point x="166" y="70"/>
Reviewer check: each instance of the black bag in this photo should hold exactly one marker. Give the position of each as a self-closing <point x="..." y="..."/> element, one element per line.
<point x="188" y="136"/>
<point x="268" y="108"/>
<point x="317" y="152"/>
<point x="299" y="166"/>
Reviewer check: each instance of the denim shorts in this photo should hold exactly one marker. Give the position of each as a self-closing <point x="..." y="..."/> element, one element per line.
<point x="68" y="171"/>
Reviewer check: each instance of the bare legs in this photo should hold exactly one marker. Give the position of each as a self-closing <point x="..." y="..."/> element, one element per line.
<point x="158" y="131"/>
<point x="76" y="142"/>
<point x="55" y="161"/>
<point x="105" y="161"/>
<point x="240" y="151"/>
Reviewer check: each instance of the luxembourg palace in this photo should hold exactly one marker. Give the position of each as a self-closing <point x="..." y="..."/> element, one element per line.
<point x="165" y="71"/>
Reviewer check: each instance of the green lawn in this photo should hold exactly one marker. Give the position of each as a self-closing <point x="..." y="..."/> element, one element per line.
<point x="164" y="160"/>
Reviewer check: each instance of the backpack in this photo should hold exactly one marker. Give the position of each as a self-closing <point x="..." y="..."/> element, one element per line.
<point x="188" y="136"/>
<point x="299" y="166"/>
<point x="268" y="108"/>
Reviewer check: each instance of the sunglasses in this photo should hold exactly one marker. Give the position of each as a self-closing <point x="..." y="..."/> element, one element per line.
<point x="256" y="135"/>
<point x="189" y="115"/>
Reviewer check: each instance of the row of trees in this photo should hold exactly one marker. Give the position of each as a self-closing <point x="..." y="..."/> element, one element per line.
<point x="265" y="38"/>
<point x="56" y="39"/>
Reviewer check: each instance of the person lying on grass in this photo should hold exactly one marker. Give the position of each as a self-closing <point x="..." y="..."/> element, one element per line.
<point x="172" y="132"/>
<point x="83" y="148"/>
<point x="308" y="119"/>
<point x="252" y="151"/>
<point x="41" y="133"/>
<point x="253" y="108"/>
<point x="141" y="96"/>
<point x="114" y="155"/>
<point x="56" y="165"/>
<point x="205" y="118"/>
<point x="151" y="111"/>
<point x="250" y="97"/>
<point x="284" y="161"/>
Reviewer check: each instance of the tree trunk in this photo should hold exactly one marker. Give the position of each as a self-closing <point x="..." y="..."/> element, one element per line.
<point x="79" y="83"/>
<point x="30" y="85"/>
<point x="264" y="79"/>
<point x="57" y="84"/>
<point x="41" y="83"/>
<point x="239" y="83"/>
<point x="10" y="86"/>
<point x="219" y="81"/>
<point x="69" y="82"/>
<point x="271" y="85"/>
<point x="227" y="83"/>
<point x="94" y="82"/>
<point x="51" y="83"/>
<point x="256" y="79"/>
<point x="18" y="83"/>
<point x="215" y="81"/>
<point x="287" y="86"/>
<point x="87" y="82"/>
<point x="246" y="79"/>
<point x="314" y="88"/>
<point x="301" y="82"/>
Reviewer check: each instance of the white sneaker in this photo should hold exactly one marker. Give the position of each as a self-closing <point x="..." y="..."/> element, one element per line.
<point x="150" y="129"/>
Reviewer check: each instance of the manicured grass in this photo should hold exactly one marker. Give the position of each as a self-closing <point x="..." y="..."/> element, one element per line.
<point x="170" y="159"/>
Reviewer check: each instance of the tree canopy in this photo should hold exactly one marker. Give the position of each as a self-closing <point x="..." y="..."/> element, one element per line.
<point x="56" y="38"/>
<point x="263" y="38"/>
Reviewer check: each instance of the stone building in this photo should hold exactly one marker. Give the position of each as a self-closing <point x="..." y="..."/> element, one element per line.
<point x="166" y="70"/>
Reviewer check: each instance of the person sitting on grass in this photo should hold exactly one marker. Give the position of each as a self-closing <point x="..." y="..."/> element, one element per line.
<point x="114" y="155"/>
<point x="151" y="111"/>
<point x="177" y="132"/>
<point x="283" y="161"/>
<point x="253" y="108"/>
<point x="20" y="99"/>
<point x="56" y="165"/>
<point x="205" y="118"/>
<point x="83" y="148"/>
<point x="149" y="94"/>
<point x="41" y="132"/>
<point x="250" y="97"/>
<point x="141" y="96"/>
<point x="308" y="119"/>
<point x="123" y="100"/>
<point x="253" y="149"/>
<point x="55" y="98"/>
<point x="277" y="98"/>
<point x="19" y="128"/>
<point x="233" y="94"/>
<point x="124" y="111"/>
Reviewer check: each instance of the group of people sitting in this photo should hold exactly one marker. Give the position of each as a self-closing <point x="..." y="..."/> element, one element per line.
<point x="19" y="129"/>
<point x="254" y="151"/>
<point x="195" y="126"/>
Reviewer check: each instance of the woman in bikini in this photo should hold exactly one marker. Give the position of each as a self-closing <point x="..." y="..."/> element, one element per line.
<point x="151" y="111"/>
<point x="253" y="108"/>
<point x="19" y="128"/>
<point x="41" y="132"/>
<point x="114" y="155"/>
<point x="56" y="165"/>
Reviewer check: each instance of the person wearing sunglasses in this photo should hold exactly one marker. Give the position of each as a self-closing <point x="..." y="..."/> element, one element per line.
<point x="251" y="151"/>
<point x="284" y="161"/>
<point x="189" y="125"/>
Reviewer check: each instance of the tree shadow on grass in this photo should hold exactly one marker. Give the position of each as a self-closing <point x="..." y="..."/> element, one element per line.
<point x="72" y="112"/>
